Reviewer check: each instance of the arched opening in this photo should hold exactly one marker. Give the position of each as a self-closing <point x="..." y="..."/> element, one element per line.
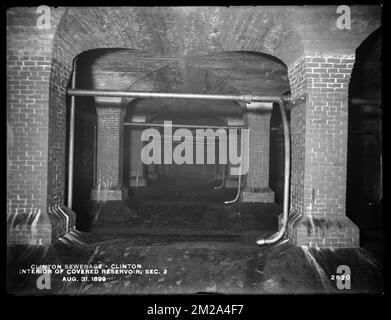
<point x="224" y="73"/>
<point x="192" y="180"/>
<point x="364" y="183"/>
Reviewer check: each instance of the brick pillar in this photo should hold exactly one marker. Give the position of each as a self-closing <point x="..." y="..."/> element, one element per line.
<point x="319" y="152"/>
<point x="109" y="150"/>
<point x="36" y="95"/>
<point x="257" y="186"/>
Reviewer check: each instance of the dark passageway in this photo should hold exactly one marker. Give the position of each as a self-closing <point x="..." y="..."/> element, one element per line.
<point x="200" y="190"/>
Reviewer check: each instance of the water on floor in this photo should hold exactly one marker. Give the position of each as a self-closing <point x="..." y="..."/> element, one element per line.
<point x="188" y="243"/>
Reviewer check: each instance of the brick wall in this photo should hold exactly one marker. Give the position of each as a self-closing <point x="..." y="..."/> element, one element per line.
<point x="319" y="151"/>
<point x="59" y="78"/>
<point x="35" y="155"/>
<point x="258" y="173"/>
<point x="27" y="117"/>
<point x="34" y="81"/>
<point x="257" y="184"/>
<point x="110" y="149"/>
<point x="27" y="79"/>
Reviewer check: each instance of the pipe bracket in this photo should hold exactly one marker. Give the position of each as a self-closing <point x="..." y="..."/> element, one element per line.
<point x="297" y="101"/>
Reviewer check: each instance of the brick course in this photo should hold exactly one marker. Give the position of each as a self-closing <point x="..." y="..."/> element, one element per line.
<point x="36" y="84"/>
<point x="257" y="185"/>
<point x="110" y="152"/>
<point x="319" y="150"/>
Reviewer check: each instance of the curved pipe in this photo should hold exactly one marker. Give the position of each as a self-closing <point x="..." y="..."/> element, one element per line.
<point x="240" y="187"/>
<point x="238" y="194"/>
<point x="223" y="181"/>
<point x="277" y="236"/>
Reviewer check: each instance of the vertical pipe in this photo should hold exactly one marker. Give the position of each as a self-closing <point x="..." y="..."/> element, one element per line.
<point x="216" y="164"/>
<point x="240" y="187"/>
<point x="223" y="181"/>
<point x="278" y="236"/>
<point x="71" y="138"/>
<point x="94" y="161"/>
<point x="238" y="193"/>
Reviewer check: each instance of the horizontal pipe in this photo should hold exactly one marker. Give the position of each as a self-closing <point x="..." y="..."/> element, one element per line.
<point x="247" y="98"/>
<point x="162" y="125"/>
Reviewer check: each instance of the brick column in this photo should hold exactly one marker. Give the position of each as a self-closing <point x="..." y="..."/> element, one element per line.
<point x="109" y="150"/>
<point x="36" y="125"/>
<point x="319" y="152"/>
<point x="257" y="186"/>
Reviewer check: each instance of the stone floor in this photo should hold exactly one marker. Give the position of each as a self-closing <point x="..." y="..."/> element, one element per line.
<point x="195" y="248"/>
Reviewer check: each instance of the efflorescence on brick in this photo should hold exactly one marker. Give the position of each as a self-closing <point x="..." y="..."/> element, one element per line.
<point x="110" y="145"/>
<point x="257" y="184"/>
<point x="319" y="151"/>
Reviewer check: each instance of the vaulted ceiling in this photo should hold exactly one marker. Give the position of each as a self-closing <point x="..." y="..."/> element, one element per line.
<point x="195" y="50"/>
<point x="225" y="72"/>
<point x="228" y="72"/>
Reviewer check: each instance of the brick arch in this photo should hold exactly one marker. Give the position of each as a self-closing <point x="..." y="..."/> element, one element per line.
<point x="220" y="29"/>
<point x="209" y="30"/>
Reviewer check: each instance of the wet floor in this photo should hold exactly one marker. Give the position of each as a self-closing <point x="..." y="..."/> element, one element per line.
<point x="173" y="247"/>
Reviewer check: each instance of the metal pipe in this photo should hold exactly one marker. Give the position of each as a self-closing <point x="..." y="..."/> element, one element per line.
<point x="223" y="180"/>
<point x="216" y="165"/>
<point x="237" y="197"/>
<point x="162" y="125"/>
<point x="239" y="192"/>
<point x="247" y="98"/>
<point x="95" y="156"/>
<point x="277" y="236"/>
<point x="71" y="138"/>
